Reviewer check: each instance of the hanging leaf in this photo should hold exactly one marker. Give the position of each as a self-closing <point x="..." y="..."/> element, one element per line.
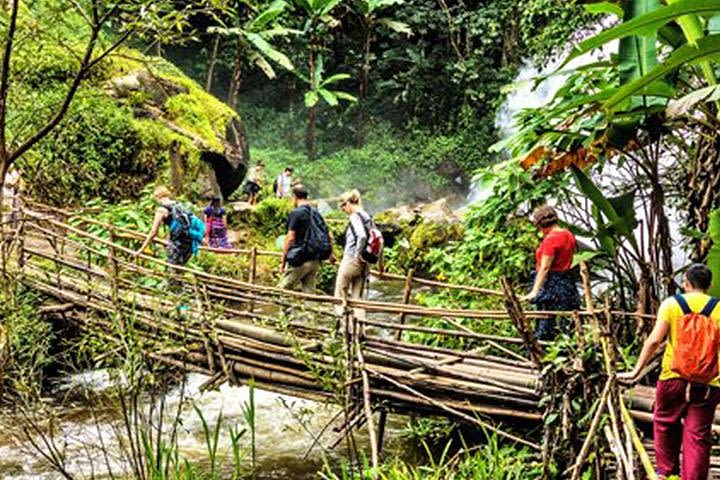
<point x="646" y="23"/>
<point x="263" y="65"/>
<point x="396" y="26"/>
<point x="604" y="8"/>
<point x="683" y="105"/>
<point x="345" y="96"/>
<point x="267" y="16"/>
<point x="329" y="97"/>
<point x="311" y="98"/>
<point x="707" y="48"/>
<point x="269" y="51"/>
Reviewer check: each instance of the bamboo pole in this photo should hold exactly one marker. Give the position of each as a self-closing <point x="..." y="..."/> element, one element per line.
<point x="633" y="435"/>
<point x="455" y="412"/>
<point x="407" y="292"/>
<point x="366" y="399"/>
<point x="585" y="449"/>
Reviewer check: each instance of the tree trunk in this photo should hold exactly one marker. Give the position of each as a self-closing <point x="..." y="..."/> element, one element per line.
<point x="235" y="79"/>
<point x="312" y="112"/>
<point x="701" y="187"/>
<point x="213" y="61"/>
<point x="364" y="83"/>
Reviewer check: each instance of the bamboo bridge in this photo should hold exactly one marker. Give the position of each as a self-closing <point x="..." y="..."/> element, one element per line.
<point x="308" y="345"/>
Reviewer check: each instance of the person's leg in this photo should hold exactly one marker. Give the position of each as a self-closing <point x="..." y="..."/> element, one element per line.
<point x="342" y="283"/>
<point x="697" y="435"/>
<point x="545" y="328"/>
<point x="309" y="277"/>
<point x="357" y="285"/>
<point x="667" y="425"/>
<point x="291" y="278"/>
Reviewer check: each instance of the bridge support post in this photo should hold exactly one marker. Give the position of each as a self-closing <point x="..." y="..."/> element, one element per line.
<point x="252" y="274"/>
<point x="113" y="264"/>
<point x="407" y="292"/>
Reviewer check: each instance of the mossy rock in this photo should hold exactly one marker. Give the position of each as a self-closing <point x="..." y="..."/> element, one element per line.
<point x="420" y="239"/>
<point x="135" y="120"/>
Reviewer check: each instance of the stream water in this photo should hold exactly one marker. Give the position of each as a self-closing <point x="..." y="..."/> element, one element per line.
<point x="285" y="428"/>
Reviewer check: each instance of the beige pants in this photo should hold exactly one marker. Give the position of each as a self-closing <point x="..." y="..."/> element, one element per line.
<point x="350" y="282"/>
<point x="304" y="275"/>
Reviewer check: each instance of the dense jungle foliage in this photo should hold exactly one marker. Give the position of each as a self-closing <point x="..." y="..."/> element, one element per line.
<point x="399" y="99"/>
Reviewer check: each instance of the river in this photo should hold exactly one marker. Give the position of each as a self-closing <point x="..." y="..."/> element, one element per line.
<point x="285" y="428"/>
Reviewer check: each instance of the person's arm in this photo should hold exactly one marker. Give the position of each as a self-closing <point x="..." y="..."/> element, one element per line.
<point x="650" y="346"/>
<point x="332" y="258"/>
<point x="359" y="229"/>
<point x="160" y="215"/>
<point x="540" y="276"/>
<point x="289" y="240"/>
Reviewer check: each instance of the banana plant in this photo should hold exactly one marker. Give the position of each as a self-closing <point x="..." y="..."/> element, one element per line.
<point x="372" y="16"/>
<point x="253" y="38"/>
<point x="320" y="87"/>
<point x="318" y="12"/>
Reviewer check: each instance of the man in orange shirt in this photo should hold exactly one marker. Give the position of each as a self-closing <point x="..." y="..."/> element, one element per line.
<point x="688" y="390"/>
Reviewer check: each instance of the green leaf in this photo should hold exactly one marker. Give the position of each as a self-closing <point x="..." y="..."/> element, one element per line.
<point x="585" y="256"/>
<point x="396" y="26"/>
<point x="693" y="29"/>
<point x="623" y="226"/>
<point x="345" y="96"/>
<point x="329" y="97"/>
<point x="604" y="8"/>
<point x="648" y="22"/>
<point x="311" y="98"/>
<point x="338" y="77"/>
<point x="263" y="65"/>
<point x="271" y="13"/>
<point x="683" y="105"/>
<point x="269" y="51"/>
<point x="707" y="48"/>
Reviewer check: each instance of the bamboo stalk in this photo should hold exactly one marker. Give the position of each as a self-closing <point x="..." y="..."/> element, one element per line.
<point x="585" y="449"/>
<point x="637" y="443"/>
<point x="455" y="412"/>
<point x="367" y="401"/>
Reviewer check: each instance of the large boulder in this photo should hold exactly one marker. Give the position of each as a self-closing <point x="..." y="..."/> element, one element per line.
<point x="135" y="121"/>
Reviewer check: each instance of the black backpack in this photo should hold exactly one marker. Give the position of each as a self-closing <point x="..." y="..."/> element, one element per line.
<point x="316" y="244"/>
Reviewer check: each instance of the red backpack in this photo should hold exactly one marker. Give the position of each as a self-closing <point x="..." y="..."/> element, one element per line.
<point x="695" y="353"/>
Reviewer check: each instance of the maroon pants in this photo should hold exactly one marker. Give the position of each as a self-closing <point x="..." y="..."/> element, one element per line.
<point x="677" y="422"/>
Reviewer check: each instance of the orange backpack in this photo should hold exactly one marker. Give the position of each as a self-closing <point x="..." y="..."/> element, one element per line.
<point x="695" y="353"/>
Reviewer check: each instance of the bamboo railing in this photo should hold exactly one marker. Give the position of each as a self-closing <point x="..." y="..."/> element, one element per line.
<point x="233" y="329"/>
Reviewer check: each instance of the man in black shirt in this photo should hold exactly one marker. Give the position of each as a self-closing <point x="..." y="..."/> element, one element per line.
<point x="298" y="222"/>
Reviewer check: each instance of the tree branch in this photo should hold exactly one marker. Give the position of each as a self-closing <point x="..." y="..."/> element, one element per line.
<point x="5" y="80"/>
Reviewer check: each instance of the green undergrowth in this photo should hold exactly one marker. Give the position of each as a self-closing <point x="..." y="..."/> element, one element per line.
<point x="27" y="341"/>
<point x="392" y="167"/>
<point x="490" y="460"/>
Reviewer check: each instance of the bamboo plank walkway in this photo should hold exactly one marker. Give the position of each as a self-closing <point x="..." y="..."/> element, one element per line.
<point x="308" y="345"/>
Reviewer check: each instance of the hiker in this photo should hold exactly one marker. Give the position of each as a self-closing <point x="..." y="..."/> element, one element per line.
<point x="186" y="230"/>
<point x="284" y="183"/>
<point x="216" y="233"/>
<point x="255" y="182"/>
<point x="687" y="391"/>
<point x="357" y="255"/>
<point x="307" y="243"/>
<point x="554" y="286"/>
<point x="11" y="187"/>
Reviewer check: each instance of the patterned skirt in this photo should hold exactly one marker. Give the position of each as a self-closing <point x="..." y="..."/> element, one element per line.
<point x="559" y="293"/>
<point x="218" y="234"/>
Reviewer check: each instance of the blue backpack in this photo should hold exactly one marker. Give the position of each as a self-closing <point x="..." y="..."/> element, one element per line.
<point x="186" y="227"/>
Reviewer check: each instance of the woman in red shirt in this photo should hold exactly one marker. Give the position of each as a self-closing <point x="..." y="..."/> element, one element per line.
<point x="554" y="287"/>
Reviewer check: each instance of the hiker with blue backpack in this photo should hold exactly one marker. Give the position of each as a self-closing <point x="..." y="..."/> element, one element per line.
<point x="186" y="231"/>
<point x="688" y="390"/>
<point x="363" y="247"/>
<point x="307" y="243"/>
